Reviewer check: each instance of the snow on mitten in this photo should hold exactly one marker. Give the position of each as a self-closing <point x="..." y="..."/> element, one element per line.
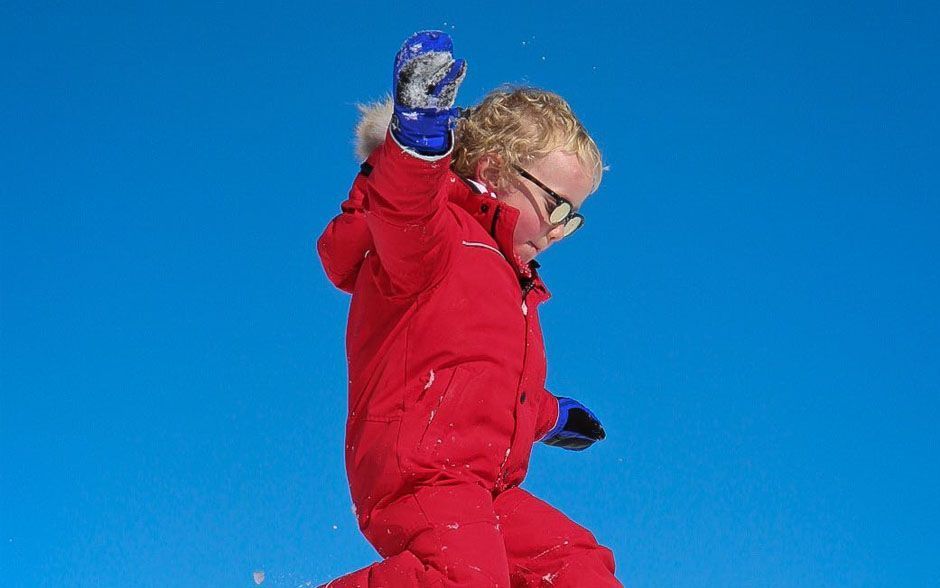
<point x="425" y="82"/>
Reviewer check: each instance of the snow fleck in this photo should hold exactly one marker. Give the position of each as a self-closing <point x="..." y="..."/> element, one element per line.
<point x="416" y="48"/>
<point x="258" y="576"/>
<point x="335" y="527"/>
<point x="418" y="73"/>
<point x="549" y="578"/>
<point x="430" y="380"/>
<point x="354" y="511"/>
<point x="414" y="115"/>
<point x="551" y="549"/>
<point x="525" y="309"/>
<point x="543" y="58"/>
<point x="453" y="526"/>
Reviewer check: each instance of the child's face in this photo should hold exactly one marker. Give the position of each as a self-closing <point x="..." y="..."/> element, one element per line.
<point x="560" y="171"/>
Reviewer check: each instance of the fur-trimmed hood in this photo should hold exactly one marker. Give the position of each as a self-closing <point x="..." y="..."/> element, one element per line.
<point x="374" y="119"/>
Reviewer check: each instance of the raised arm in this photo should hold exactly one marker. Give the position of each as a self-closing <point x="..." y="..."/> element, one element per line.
<point x="406" y="192"/>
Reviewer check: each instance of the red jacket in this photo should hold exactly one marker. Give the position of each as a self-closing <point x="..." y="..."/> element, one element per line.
<point x="446" y="358"/>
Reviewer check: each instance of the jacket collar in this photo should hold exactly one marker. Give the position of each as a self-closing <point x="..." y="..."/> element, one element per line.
<point x="500" y="220"/>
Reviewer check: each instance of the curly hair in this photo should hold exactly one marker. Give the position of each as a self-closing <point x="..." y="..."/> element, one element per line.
<point x="519" y="125"/>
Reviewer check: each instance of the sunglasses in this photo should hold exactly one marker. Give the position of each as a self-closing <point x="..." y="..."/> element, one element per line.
<point x="563" y="211"/>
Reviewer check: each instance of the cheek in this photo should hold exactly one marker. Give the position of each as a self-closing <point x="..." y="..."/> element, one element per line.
<point x="529" y="225"/>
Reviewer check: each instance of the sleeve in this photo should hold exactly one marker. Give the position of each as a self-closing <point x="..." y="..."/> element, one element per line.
<point x="547" y="415"/>
<point x="407" y="212"/>
<point x="346" y="240"/>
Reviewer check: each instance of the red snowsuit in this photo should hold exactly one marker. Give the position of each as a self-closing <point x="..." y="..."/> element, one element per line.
<point x="446" y="387"/>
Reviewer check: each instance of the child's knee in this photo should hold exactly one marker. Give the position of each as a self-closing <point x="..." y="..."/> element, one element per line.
<point x="452" y="530"/>
<point x="591" y="567"/>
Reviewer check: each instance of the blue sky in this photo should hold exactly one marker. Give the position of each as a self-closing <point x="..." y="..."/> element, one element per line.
<point x="752" y="309"/>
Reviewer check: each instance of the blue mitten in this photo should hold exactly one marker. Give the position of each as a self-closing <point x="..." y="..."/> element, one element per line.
<point x="577" y="427"/>
<point x="425" y="82"/>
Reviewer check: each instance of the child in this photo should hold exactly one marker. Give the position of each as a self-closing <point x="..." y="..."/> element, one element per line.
<point x="446" y="361"/>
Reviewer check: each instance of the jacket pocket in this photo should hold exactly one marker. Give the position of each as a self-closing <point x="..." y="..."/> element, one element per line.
<point x="443" y="409"/>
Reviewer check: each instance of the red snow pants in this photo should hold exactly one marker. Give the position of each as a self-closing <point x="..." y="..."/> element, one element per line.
<point x="460" y="535"/>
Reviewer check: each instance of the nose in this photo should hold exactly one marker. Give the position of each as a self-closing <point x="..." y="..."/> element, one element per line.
<point x="557" y="233"/>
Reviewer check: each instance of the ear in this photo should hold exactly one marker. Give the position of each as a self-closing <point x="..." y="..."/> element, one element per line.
<point x="488" y="171"/>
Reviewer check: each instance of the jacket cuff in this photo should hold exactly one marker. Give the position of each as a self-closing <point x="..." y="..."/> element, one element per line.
<point x="414" y="153"/>
<point x="548" y="417"/>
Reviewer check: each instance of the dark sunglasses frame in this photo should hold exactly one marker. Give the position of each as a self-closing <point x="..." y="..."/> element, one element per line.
<point x="559" y="200"/>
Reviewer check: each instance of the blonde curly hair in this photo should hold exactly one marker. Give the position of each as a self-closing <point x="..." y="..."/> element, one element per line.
<point x="519" y="125"/>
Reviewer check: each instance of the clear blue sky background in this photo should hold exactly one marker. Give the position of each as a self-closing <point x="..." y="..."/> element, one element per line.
<point x="752" y="308"/>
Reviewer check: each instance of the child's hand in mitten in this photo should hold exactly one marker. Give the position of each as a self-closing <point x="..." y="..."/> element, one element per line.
<point x="425" y="82"/>
<point x="577" y="427"/>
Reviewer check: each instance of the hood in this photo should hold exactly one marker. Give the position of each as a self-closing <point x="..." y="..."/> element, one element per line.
<point x="374" y="119"/>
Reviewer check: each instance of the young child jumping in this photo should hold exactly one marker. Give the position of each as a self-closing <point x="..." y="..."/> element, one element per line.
<point x="437" y="243"/>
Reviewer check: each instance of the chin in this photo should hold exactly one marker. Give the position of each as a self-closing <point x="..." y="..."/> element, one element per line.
<point x="526" y="252"/>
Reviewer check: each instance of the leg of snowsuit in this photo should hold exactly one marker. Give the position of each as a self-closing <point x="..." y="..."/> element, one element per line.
<point x="546" y="548"/>
<point x="440" y="536"/>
